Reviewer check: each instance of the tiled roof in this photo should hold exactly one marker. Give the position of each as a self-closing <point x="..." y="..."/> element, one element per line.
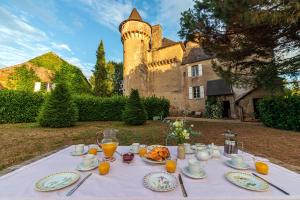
<point x="167" y="42"/>
<point x="195" y="54"/>
<point x="135" y="15"/>
<point x="218" y="88"/>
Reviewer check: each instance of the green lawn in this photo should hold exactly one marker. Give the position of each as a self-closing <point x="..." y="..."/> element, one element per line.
<point x="20" y="142"/>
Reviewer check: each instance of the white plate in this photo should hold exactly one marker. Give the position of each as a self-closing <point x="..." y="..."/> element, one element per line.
<point x="186" y="171"/>
<point x="242" y="166"/>
<point x="190" y="151"/>
<point x="56" y="181"/>
<point x="153" y="161"/>
<point x="81" y="167"/>
<point x="160" y="181"/>
<point x="74" y="153"/>
<point x="247" y="181"/>
<point x="149" y="148"/>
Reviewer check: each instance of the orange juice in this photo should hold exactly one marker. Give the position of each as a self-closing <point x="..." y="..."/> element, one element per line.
<point x="109" y="149"/>
<point x="142" y="151"/>
<point x="104" y="168"/>
<point x="171" y="166"/>
<point x="262" y="168"/>
<point x="93" y="151"/>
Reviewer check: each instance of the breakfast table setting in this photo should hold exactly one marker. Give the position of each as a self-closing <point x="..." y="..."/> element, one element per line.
<point x="107" y="171"/>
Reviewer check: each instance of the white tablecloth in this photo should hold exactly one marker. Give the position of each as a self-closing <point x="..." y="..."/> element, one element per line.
<point x="125" y="181"/>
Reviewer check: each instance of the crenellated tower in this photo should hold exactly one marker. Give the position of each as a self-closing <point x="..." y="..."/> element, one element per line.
<point x="135" y="36"/>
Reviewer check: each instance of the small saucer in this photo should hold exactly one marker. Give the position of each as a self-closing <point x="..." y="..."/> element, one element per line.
<point x="131" y="151"/>
<point x="74" y="153"/>
<point x="190" y="151"/>
<point x="81" y="167"/>
<point x="242" y="166"/>
<point x="200" y="175"/>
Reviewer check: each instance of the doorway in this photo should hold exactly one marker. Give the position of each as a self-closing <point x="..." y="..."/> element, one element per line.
<point x="226" y="109"/>
<point x="255" y="107"/>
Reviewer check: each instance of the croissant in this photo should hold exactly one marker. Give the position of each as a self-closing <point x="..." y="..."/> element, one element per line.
<point x="158" y="154"/>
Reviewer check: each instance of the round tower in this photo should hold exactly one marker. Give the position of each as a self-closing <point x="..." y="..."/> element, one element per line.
<point x="135" y="36"/>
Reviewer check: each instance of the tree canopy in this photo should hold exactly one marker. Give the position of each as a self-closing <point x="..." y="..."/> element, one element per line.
<point x="253" y="41"/>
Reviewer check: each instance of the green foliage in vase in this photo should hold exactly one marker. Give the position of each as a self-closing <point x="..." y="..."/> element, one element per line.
<point x="134" y="112"/>
<point x="23" y="79"/>
<point x="281" y="112"/>
<point x="58" y="110"/>
<point x="213" y="108"/>
<point x="249" y="39"/>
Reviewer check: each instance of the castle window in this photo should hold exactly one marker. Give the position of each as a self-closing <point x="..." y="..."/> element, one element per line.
<point x="195" y="70"/>
<point x="196" y="92"/>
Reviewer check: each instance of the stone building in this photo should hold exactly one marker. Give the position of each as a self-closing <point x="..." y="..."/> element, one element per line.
<point x="180" y="72"/>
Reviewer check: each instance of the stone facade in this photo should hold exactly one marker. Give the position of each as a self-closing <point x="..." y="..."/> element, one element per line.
<point x="175" y="70"/>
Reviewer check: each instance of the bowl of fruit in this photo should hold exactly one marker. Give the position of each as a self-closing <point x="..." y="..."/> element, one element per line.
<point x="128" y="157"/>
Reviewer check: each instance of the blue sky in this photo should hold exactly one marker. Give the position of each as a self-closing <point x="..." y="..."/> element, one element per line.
<point x="73" y="28"/>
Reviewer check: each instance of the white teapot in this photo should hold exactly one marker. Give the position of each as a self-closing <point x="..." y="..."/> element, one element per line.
<point x="203" y="155"/>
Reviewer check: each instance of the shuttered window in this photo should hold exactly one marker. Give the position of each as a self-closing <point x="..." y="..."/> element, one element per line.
<point x="190" y="92"/>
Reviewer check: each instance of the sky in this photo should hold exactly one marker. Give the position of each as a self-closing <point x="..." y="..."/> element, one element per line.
<point x="73" y="28"/>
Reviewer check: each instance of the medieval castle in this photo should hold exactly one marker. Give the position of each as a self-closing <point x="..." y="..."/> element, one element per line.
<point x="180" y="72"/>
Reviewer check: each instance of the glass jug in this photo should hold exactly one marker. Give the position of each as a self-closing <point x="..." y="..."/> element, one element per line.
<point x="109" y="143"/>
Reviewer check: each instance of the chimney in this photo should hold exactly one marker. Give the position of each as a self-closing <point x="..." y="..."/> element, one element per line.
<point x="156" y="36"/>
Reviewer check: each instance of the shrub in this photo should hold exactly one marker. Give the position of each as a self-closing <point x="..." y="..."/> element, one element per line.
<point x="19" y="106"/>
<point x="92" y="108"/>
<point x="213" y="108"/>
<point x="281" y="112"/>
<point x="156" y="106"/>
<point x="134" y="112"/>
<point x="59" y="109"/>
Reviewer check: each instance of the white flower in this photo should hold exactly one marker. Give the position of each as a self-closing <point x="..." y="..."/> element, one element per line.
<point x="192" y="125"/>
<point x="176" y="124"/>
<point x="185" y="134"/>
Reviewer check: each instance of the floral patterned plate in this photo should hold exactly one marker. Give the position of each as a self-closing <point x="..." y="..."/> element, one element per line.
<point x="56" y="181"/>
<point x="247" y="181"/>
<point x="160" y="181"/>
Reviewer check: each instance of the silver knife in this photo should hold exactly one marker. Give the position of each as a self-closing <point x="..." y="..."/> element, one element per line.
<point x="182" y="186"/>
<point x="77" y="186"/>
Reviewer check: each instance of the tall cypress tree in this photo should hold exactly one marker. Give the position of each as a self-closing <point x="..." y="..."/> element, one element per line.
<point x="100" y="72"/>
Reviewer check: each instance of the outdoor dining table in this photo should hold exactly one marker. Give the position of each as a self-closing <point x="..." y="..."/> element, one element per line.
<point x="125" y="181"/>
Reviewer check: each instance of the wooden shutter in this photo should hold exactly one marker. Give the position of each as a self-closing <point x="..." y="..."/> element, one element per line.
<point x="201" y="92"/>
<point x="190" y="92"/>
<point x="189" y="71"/>
<point x="200" y="69"/>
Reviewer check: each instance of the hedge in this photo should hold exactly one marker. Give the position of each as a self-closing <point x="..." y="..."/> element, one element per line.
<point x="156" y="106"/>
<point x="93" y="108"/>
<point x="19" y="106"/>
<point x="281" y="112"/>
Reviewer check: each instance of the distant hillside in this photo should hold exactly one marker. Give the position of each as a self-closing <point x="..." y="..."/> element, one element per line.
<point x="47" y="68"/>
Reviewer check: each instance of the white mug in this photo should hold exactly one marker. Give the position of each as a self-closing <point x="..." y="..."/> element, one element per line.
<point x="194" y="166"/>
<point x="237" y="160"/>
<point x="135" y="147"/>
<point x="88" y="160"/>
<point x="187" y="147"/>
<point x="79" y="148"/>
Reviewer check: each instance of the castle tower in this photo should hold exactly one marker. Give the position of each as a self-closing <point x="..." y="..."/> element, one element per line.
<point x="135" y="36"/>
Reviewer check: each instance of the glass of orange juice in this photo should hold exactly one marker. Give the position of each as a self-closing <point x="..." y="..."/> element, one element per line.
<point x="171" y="166"/>
<point x="143" y="150"/>
<point x="104" y="167"/>
<point x="262" y="167"/>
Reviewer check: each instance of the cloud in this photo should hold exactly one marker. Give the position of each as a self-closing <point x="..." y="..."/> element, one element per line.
<point x="47" y="12"/>
<point x="61" y="47"/>
<point x="109" y="13"/>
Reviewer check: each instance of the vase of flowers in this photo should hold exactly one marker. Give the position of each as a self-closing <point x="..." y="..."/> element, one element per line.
<point x="181" y="132"/>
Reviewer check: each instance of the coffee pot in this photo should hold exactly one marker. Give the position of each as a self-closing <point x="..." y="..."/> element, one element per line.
<point x="230" y="143"/>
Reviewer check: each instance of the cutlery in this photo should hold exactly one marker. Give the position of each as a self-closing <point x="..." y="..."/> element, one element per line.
<point x="77" y="186"/>
<point x="278" y="188"/>
<point x="182" y="186"/>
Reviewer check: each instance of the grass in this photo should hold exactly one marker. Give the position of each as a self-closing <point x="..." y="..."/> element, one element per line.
<point x="20" y="142"/>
